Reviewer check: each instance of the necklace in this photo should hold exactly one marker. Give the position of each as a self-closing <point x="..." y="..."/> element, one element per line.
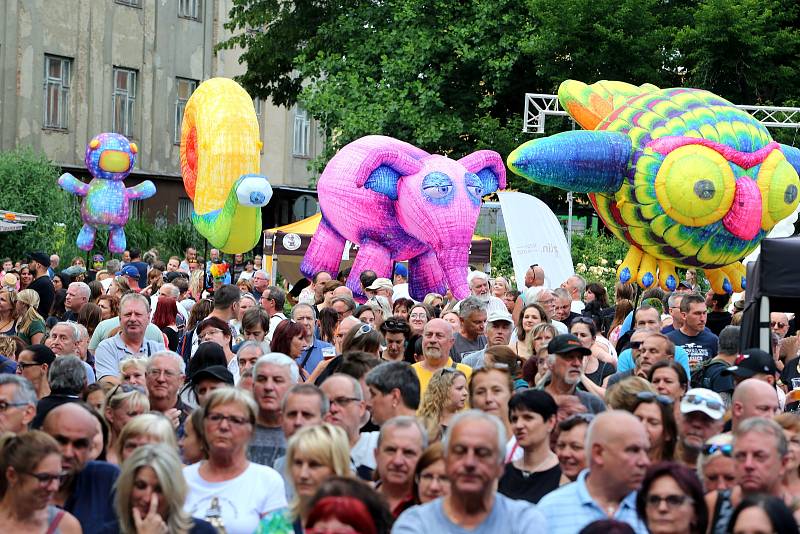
<point x="535" y="469"/>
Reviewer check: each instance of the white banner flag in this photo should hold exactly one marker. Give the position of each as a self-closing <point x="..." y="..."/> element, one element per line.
<point x="535" y="237"/>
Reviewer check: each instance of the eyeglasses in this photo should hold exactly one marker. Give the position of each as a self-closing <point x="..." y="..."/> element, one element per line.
<point x="777" y="324"/>
<point x="343" y="401"/>
<point x="156" y="373"/>
<point x="431" y="477"/>
<point x="673" y="501"/>
<point x="45" y="479"/>
<point x="649" y="396"/>
<point x="725" y="450"/>
<point x="218" y="418"/>
<point x="585" y="417"/>
<point x="698" y="400"/>
<point x="393" y="325"/>
<point x="418" y="316"/>
<point x="636" y="345"/>
<point x="6" y="405"/>
<point x="210" y="332"/>
<point x="24" y="365"/>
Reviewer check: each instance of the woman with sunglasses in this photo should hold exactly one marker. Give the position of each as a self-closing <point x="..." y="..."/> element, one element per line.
<point x="30" y="464"/>
<point x="228" y="490"/>
<point x="671" y="500"/>
<point x="150" y="495"/>
<point x="123" y="403"/>
<point x="715" y="466"/>
<point x="656" y="413"/>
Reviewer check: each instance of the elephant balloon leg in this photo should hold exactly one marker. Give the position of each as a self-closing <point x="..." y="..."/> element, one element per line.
<point x="728" y="279"/>
<point x="425" y="276"/>
<point x="116" y="239"/>
<point x="371" y="255"/>
<point x="325" y="251"/>
<point x="86" y="237"/>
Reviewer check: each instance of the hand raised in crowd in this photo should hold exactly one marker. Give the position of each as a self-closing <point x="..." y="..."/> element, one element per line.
<point x="152" y="523"/>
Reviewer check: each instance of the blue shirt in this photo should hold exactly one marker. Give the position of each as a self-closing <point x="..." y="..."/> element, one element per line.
<point x="625" y="360"/>
<point x="570" y="508"/>
<point x="507" y="516"/>
<point x="92" y="498"/>
<point x="316" y="355"/>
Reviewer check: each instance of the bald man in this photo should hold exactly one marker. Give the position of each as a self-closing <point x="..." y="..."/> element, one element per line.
<point x="753" y="398"/>
<point x="616" y="453"/>
<point x="87" y="491"/>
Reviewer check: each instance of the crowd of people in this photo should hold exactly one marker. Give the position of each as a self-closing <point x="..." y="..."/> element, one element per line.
<point x="144" y="396"/>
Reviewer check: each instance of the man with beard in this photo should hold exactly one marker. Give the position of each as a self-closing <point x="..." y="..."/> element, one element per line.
<point x="87" y="490"/>
<point x="401" y="442"/>
<point x="273" y="375"/>
<point x="134" y="316"/>
<point x="565" y="358"/>
<point x="38" y="263"/>
<point x="701" y="417"/>
<point x="474" y="456"/>
<point x="437" y="339"/>
<point x="616" y="452"/>
<point x="478" y="282"/>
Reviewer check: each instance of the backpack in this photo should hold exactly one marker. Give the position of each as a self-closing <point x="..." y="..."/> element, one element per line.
<point x="700" y="378"/>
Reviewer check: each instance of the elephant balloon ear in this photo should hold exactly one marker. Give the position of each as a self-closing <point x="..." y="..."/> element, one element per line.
<point x="580" y="161"/>
<point x="381" y="170"/>
<point x="792" y="155"/>
<point x="488" y="166"/>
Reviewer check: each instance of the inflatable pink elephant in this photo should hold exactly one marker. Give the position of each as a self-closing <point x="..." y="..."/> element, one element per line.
<point x="397" y="202"/>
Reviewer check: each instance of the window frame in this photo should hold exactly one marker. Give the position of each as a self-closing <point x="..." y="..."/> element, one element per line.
<point x="63" y="91"/>
<point x="129" y="95"/>
<point x="190" y="6"/>
<point x="301" y="133"/>
<point x="180" y="105"/>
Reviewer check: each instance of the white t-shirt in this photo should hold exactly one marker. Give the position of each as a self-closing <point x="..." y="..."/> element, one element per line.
<point x="363" y="452"/>
<point x="242" y="501"/>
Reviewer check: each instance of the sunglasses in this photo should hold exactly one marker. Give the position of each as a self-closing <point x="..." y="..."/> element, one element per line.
<point x="363" y="329"/>
<point x="585" y="417"/>
<point x="725" y="450"/>
<point x="775" y="324"/>
<point x="126" y="388"/>
<point x="648" y="396"/>
<point x="636" y="344"/>
<point x="710" y="403"/>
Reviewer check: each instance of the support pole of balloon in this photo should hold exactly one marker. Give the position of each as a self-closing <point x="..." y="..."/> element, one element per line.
<point x="205" y="266"/>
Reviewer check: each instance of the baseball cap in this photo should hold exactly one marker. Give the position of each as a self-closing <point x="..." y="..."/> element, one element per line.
<point x="499" y="315"/>
<point x="566" y="343"/>
<point x="381" y="283"/>
<point x="751" y="362"/>
<point x="214" y="372"/>
<point x="74" y="270"/>
<point x="703" y="400"/>
<point x="130" y="271"/>
<point x="401" y="270"/>
<point x="39" y="257"/>
<point x="171" y="276"/>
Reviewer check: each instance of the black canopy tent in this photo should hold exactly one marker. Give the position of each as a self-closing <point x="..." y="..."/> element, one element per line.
<point x="773" y="284"/>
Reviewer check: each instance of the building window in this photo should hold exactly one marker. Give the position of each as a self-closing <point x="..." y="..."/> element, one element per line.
<point x="56" y="91"/>
<point x="189" y="9"/>
<point x="124" y="101"/>
<point x="185" y="208"/>
<point x="131" y="3"/>
<point x="185" y="89"/>
<point x="302" y="125"/>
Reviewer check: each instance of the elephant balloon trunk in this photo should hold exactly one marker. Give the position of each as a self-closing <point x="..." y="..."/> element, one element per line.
<point x="455" y="266"/>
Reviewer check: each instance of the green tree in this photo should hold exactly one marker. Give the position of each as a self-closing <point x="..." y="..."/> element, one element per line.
<point x="30" y="186"/>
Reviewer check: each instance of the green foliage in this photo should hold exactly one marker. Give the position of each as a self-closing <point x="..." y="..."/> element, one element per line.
<point x="502" y="263"/>
<point x="30" y="186"/>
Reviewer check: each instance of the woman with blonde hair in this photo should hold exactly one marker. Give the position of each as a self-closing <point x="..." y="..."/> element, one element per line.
<point x="122" y="404"/>
<point x="446" y="396"/>
<point x="133" y="371"/>
<point x="30" y="325"/>
<point x="150" y="495"/>
<point x="313" y="454"/>
<point x="30" y="476"/>
<point x="8" y="311"/>
<point x="143" y="429"/>
<point x="539" y="339"/>
<point x="623" y="394"/>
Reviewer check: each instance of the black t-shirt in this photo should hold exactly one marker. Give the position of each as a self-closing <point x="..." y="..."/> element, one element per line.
<point x="715" y="380"/>
<point x="716" y="321"/>
<point x="47" y="293"/>
<point x="791" y="369"/>
<point x="521" y="485"/>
